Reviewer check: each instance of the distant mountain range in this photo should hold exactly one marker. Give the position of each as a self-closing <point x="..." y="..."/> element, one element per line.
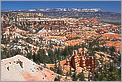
<point x="77" y="13"/>
<point x="62" y="9"/>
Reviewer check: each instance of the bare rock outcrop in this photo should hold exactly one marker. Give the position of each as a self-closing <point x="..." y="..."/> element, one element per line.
<point x="20" y="68"/>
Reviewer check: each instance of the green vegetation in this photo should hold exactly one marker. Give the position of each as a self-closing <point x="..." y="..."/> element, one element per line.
<point x="107" y="72"/>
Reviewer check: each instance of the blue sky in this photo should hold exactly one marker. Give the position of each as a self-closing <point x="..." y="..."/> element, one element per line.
<point x="113" y="6"/>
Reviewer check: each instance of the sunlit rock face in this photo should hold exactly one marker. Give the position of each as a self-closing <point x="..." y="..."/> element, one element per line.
<point x="19" y="68"/>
